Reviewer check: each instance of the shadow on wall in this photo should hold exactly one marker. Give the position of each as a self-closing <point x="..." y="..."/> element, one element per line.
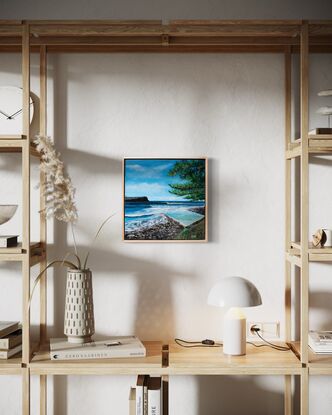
<point x="230" y="395"/>
<point x="153" y="280"/>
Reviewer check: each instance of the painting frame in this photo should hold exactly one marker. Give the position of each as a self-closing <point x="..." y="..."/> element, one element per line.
<point x="206" y="204"/>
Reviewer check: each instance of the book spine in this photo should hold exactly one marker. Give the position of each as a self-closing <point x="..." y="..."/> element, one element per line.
<point x="145" y="399"/>
<point x="154" y="402"/>
<point x="3" y="354"/>
<point x="95" y="354"/>
<point x="4" y="343"/>
<point x="139" y="400"/>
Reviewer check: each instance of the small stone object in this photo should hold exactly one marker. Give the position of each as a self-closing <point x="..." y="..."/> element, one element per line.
<point x="79" y="323"/>
<point x="319" y="238"/>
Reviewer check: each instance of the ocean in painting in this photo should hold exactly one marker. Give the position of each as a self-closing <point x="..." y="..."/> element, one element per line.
<point x="139" y="215"/>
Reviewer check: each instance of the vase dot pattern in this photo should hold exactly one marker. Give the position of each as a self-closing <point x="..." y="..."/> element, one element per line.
<point x="79" y="316"/>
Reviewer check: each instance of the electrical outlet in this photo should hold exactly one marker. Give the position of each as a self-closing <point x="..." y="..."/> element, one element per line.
<point x="267" y="329"/>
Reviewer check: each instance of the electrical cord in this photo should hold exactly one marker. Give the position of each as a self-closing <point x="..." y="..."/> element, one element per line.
<point x="202" y="343"/>
<point x="212" y="343"/>
<point x="256" y="330"/>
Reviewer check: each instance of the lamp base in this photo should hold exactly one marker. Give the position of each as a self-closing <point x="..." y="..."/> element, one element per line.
<point x="234" y="342"/>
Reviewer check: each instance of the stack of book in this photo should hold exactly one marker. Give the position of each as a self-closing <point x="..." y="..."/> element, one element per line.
<point x="10" y="339"/>
<point x="8" y="241"/>
<point x="112" y="347"/>
<point x="320" y="341"/>
<point x="146" y="398"/>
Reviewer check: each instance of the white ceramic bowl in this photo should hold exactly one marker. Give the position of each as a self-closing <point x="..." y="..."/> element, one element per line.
<point x="7" y="212"/>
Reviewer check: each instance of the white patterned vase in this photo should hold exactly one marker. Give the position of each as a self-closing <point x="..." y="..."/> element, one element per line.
<point x="79" y="318"/>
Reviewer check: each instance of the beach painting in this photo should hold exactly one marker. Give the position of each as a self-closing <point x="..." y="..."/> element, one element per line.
<point x="165" y="199"/>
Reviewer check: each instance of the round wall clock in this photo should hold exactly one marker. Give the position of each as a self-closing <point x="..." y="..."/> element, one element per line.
<point x="11" y="110"/>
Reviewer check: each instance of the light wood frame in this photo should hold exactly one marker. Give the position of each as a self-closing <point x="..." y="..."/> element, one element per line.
<point x="264" y="36"/>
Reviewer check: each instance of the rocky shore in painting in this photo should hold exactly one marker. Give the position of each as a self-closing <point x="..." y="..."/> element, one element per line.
<point x="169" y="229"/>
<point x="200" y="210"/>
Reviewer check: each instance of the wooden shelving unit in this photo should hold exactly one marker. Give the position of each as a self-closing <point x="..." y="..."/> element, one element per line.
<point x="212" y="361"/>
<point x="277" y="36"/>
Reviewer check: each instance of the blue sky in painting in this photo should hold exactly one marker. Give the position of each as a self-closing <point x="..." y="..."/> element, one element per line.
<point x="150" y="178"/>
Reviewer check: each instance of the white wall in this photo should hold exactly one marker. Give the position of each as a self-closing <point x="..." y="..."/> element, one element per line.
<point x="226" y="107"/>
<point x="171" y="9"/>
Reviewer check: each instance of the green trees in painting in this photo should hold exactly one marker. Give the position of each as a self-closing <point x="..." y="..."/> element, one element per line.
<point x="192" y="174"/>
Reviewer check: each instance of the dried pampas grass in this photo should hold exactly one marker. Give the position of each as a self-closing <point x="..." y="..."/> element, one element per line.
<point x="59" y="192"/>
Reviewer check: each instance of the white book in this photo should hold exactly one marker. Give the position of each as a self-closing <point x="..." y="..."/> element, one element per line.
<point x="6" y="354"/>
<point x="139" y="394"/>
<point x="154" y="396"/>
<point x="320" y="341"/>
<point x="132" y="401"/>
<point x="113" y="347"/>
<point x="11" y="340"/>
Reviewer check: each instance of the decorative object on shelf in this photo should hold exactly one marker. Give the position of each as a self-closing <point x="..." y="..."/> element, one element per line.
<point x="11" y="98"/>
<point x="326" y="111"/>
<point x="322" y="237"/>
<point x="79" y="317"/>
<point x="235" y="293"/>
<point x="59" y="191"/>
<point x="328" y="237"/>
<point x="165" y="199"/>
<point x="318" y="238"/>
<point x="60" y="204"/>
<point x="7" y="212"/>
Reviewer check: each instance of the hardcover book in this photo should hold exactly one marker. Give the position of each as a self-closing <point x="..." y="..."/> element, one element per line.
<point x="320" y="341"/>
<point x="11" y="340"/>
<point x="6" y="354"/>
<point x="154" y="396"/>
<point x="139" y="394"/>
<point x="8" y="241"/>
<point x="317" y="131"/>
<point x="113" y="347"/>
<point x="132" y="401"/>
<point x="7" y="327"/>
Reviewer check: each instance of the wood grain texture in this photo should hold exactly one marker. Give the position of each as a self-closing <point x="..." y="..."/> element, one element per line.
<point x="212" y="361"/>
<point x="304" y="82"/>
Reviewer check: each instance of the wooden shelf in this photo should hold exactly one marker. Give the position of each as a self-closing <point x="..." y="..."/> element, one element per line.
<point x="177" y="36"/>
<point x="318" y="144"/>
<point x="212" y="361"/>
<point x="319" y="364"/>
<point x="37" y="252"/>
<point x="151" y="364"/>
<point x="12" y="366"/>
<point x="323" y="254"/>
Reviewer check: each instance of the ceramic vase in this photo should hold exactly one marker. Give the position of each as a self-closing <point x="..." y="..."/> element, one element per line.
<point x="79" y="323"/>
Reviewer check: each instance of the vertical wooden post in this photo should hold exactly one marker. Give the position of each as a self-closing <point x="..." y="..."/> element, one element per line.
<point x="288" y="128"/>
<point x="26" y="215"/>
<point x="43" y="225"/>
<point x="304" y="214"/>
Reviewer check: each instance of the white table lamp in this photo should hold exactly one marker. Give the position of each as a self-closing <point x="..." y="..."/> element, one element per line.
<point x="234" y="292"/>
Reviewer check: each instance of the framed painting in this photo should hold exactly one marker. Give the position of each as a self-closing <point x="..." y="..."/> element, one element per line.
<point x="165" y="199"/>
